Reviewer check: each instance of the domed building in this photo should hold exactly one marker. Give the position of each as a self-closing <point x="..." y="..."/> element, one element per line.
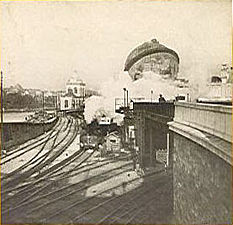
<point x="152" y="56"/>
<point x="74" y="96"/>
<point x="75" y="86"/>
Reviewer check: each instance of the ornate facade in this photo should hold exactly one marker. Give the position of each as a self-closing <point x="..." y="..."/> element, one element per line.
<point x="74" y="97"/>
<point x="152" y="56"/>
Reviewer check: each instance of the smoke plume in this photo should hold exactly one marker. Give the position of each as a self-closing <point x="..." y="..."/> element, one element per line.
<point x="148" y="87"/>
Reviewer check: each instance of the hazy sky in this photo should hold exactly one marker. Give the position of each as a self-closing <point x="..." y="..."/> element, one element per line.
<point x="43" y="43"/>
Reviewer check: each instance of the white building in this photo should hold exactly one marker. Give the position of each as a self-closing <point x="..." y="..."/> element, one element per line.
<point x="113" y="142"/>
<point x="219" y="89"/>
<point x="76" y="86"/>
<point x="105" y="120"/>
<point x="74" y="95"/>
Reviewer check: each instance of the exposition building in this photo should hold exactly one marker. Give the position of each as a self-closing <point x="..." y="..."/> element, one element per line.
<point x="152" y="56"/>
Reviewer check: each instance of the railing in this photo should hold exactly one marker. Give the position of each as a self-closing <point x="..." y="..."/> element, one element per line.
<point x="210" y="118"/>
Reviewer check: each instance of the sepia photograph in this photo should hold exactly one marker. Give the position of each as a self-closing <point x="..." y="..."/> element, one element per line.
<point x="116" y="112"/>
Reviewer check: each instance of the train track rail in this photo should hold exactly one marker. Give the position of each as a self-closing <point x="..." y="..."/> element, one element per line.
<point x="28" y="146"/>
<point x="45" y="160"/>
<point x="78" y="169"/>
<point x="119" y="212"/>
<point x="50" y="188"/>
<point x="28" y="143"/>
<point x="57" y="167"/>
<point x="80" y="204"/>
<point x="71" y="189"/>
<point x="35" y="157"/>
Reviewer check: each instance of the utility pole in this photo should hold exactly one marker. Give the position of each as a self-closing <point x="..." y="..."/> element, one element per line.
<point x="127" y="97"/>
<point x="124" y="89"/>
<point x="43" y="102"/>
<point x="1" y="109"/>
<point x="43" y="110"/>
<point x="56" y="103"/>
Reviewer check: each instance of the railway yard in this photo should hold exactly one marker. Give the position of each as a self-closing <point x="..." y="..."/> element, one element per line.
<point x="52" y="179"/>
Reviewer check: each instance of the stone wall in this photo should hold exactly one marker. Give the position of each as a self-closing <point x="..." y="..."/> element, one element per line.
<point x="202" y="184"/>
<point x="18" y="133"/>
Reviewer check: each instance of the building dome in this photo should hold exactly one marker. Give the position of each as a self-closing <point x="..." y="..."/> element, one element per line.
<point x="74" y="80"/>
<point x="149" y="54"/>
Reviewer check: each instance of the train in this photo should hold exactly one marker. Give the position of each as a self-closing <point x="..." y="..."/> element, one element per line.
<point x="102" y="127"/>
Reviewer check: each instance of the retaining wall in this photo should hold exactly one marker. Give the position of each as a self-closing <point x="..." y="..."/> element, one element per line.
<point x="20" y="132"/>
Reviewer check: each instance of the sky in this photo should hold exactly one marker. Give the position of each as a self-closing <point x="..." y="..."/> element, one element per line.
<point x="45" y="43"/>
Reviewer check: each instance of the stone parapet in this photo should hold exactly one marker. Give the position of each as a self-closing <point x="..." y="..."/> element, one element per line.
<point x="202" y="163"/>
<point x="210" y="118"/>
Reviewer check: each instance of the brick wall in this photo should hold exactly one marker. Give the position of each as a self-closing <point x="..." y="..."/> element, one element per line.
<point x="202" y="184"/>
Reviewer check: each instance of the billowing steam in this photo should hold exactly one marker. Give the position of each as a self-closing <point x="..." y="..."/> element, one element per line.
<point x="149" y="87"/>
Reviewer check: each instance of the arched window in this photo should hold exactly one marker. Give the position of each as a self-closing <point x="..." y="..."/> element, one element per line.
<point x="75" y="90"/>
<point x="70" y="91"/>
<point x="66" y="103"/>
<point x="81" y="92"/>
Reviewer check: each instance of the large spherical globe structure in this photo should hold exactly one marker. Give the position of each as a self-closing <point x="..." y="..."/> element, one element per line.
<point x="152" y="56"/>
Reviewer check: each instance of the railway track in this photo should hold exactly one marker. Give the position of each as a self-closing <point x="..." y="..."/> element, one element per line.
<point x="46" y="159"/>
<point x="76" y="186"/>
<point x="31" y="189"/>
<point x="48" y="208"/>
<point x="81" y="205"/>
<point x="29" y="145"/>
<point x="37" y="194"/>
<point x="61" y="164"/>
<point x="122" y="208"/>
<point x="53" y="135"/>
<point x="53" y="188"/>
<point x="37" y="156"/>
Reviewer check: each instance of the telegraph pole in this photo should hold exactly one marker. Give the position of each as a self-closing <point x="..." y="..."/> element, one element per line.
<point x="127" y="98"/>
<point x="124" y="89"/>
<point x="1" y="109"/>
<point x="56" y="103"/>
<point x="43" y="110"/>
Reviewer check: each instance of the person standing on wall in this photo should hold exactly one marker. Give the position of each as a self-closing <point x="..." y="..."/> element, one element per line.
<point x="161" y="98"/>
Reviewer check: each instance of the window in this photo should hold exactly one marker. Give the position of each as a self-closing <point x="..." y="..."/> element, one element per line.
<point x="113" y="141"/>
<point x="66" y="103"/>
<point x="70" y="91"/>
<point x="75" y="90"/>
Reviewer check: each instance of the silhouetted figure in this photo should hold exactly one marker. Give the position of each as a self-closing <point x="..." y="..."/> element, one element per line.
<point x="161" y="98"/>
